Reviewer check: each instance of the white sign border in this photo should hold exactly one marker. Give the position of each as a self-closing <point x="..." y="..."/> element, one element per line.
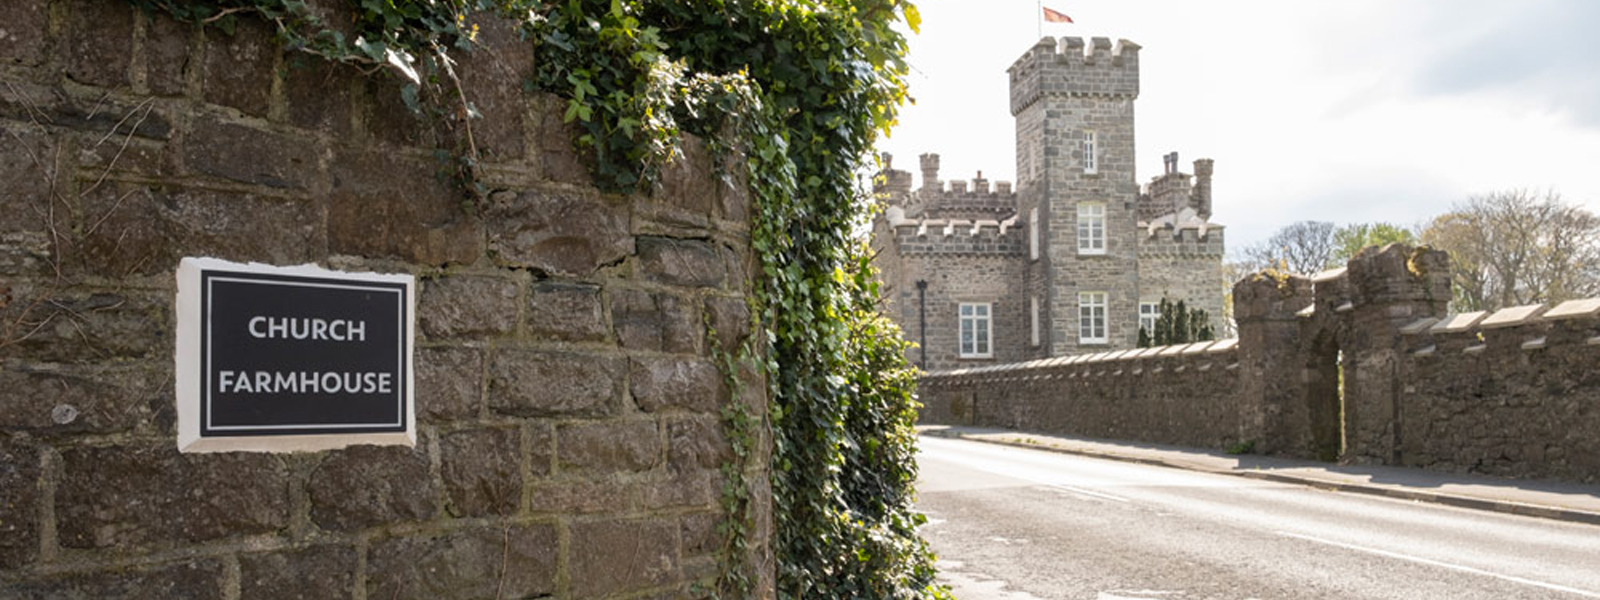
<point x="187" y="357"/>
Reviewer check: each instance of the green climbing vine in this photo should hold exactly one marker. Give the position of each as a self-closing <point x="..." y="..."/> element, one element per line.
<point x="800" y="89"/>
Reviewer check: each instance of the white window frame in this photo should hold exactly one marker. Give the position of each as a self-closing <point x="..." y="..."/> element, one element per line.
<point x="1033" y="234"/>
<point x="1091" y="160"/>
<point x="1092" y="311"/>
<point x="975" y="330"/>
<point x="1091" y="228"/>
<point x="1148" y="313"/>
<point x="1033" y="306"/>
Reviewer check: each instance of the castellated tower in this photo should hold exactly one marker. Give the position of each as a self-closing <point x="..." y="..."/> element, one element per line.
<point x="1073" y="107"/>
<point x="1077" y="255"/>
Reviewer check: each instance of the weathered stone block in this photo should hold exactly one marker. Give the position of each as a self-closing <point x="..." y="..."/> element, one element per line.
<point x="190" y="580"/>
<point x="667" y="383"/>
<point x="367" y="486"/>
<point x="53" y="400"/>
<point x="385" y="205"/>
<point x="449" y="383"/>
<point x="146" y="230"/>
<point x="143" y="495"/>
<point x="506" y="561"/>
<point x="492" y="73"/>
<point x="558" y="232"/>
<point x="90" y="112"/>
<point x="467" y="306"/>
<point x="386" y="116"/>
<point x="685" y="489"/>
<point x="85" y="327"/>
<point x="608" y="446"/>
<point x="239" y="68"/>
<point x="566" y="311"/>
<point x="251" y="155"/>
<point x="97" y="42"/>
<point x="167" y="55"/>
<point x="697" y="443"/>
<point x="28" y="163"/>
<point x="689" y="263"/>
<point x="318" y="94"/>
<point x="649" y="544"/>
<point x="730" y="318"/>
<point x="700" y="533"/>
<point x="310" y="573"/>
<point x="482" y="471"/>
<point x="22" y="37"/>
<point x="533" y="383"/>
<point x="655" y="321"/>
<point x="559" y="159"/>
<point x="583" y="497"/>
<point x="19" y="504"/>
<point x="687" y="193"/>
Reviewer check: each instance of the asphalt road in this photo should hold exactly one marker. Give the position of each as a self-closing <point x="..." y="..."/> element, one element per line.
<point x="1019" y="524"/>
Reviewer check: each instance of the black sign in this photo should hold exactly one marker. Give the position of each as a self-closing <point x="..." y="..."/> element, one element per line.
<point x="297" y="355"/>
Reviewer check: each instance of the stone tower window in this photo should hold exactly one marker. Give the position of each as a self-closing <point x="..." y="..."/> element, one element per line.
<point x="1091" y="161"/>
<point x="1033" y="234"/>
<point x="1148" y="313"/>
<point x="976" y="334"/>
<point x="1092" y="318"/>
<point x="1091" y="228"/>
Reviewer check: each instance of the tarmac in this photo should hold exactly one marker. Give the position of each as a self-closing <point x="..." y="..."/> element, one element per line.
<point x="1534" y="498"/>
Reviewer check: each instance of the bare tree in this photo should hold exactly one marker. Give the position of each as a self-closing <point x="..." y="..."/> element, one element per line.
<point x="1518" y="247"/>
<point x="1303" y="248"/>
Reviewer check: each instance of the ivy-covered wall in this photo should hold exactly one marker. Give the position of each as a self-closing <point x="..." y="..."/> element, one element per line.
<point x="572" y="411"/>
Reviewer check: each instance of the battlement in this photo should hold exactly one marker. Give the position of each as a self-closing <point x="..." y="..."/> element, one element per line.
<point x="956" y="236"/>
<point x="975" y="199"/>
<point x="1191" y="239"/>
<point x="1067" y="66"/>
<point x="1526" y="328"/>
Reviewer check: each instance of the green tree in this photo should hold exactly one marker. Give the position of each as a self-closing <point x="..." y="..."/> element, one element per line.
<point x="1515" y="247"/>
<point x="1350" y="239"/>
<point x="1178" y="324"/>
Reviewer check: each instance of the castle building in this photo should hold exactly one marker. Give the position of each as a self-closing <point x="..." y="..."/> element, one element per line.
<point x="1075" y="258"/>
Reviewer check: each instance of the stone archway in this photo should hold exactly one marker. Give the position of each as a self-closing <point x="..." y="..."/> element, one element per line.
<point x="1324" y="397"/>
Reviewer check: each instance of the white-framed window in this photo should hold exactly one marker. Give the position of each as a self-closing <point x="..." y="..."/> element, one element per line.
<point x="1092" y="318"/>
<point x="1033" y="234"/>
<point x="977" y="334"/>
<point x="1033" y="309"/>
<point x="1091" y="161"/>
<point x="1148" y="313"/>
<point x="1091" y="228"/>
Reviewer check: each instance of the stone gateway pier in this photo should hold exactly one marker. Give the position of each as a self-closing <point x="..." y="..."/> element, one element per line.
<point x="568" y="438"/>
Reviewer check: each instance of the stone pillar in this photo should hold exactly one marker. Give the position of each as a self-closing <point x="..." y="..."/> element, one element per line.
<point x="1389" y="288"/>
<point x="1269" y="357"/>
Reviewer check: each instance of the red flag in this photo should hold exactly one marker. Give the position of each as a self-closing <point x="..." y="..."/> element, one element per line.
<point x="1052" y="16"/>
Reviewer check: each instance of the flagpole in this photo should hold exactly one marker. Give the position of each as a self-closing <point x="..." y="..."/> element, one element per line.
<point x="1038" y="18"/>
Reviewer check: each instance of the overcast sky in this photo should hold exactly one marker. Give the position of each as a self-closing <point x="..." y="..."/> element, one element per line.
<point x="1347" y="111"/>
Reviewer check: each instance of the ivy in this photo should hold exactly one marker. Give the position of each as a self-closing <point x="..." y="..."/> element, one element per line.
<point x="800" y="89"/>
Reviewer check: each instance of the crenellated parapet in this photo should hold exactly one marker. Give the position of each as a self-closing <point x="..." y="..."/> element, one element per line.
<point x="921" y="236"/>
<point x="1195" y="239"/>
<point x="1515" y="330"/>
<point x="1068" y="67"/>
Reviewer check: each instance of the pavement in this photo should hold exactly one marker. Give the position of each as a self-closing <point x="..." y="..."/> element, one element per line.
<point x="1577" y="503"/>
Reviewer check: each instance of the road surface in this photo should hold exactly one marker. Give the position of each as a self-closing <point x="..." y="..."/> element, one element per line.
<point x="1019" y="524"/>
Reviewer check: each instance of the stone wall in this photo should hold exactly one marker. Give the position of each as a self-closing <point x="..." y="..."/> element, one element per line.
<point x="1185" y="394"/>
<point x="569" y="438"/>
<point x="1512" y="393"/>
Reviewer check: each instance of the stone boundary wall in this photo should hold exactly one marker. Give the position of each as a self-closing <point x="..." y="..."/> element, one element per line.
<point x="1359" y="364"/>
<point x="1183" y="394"/>
<point x="570" y="443"/>
<point x="1515" y="393"/>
